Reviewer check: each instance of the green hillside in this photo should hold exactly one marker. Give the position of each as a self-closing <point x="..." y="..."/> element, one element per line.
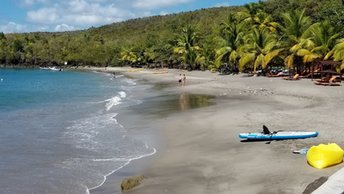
<point x="196" y="40"/>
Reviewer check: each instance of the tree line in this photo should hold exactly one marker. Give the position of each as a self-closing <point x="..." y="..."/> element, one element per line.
<point x="292" y="33"/>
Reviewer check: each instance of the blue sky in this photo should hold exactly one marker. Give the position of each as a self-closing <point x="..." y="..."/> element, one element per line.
<point x="64" y="15"/>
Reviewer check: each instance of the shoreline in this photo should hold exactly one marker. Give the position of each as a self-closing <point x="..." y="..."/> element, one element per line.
<point x="90" y="190"/>
<point x="139" y="164"/>
<point x="130" y="119"/>
<point x="113" y="175"/>
<point x="219" y="156"/>
<point x="242" y="104"/>
<point x="114" y="172"/>
<point x="203" y="153"/>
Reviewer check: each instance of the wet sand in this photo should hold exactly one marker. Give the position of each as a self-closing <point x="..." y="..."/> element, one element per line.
<point x="203" y="153"/>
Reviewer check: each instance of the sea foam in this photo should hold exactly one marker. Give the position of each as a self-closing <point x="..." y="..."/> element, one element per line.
<point x="127" y="161"/>
<point x="114" y="101"/>
<point x="85" y="134"/>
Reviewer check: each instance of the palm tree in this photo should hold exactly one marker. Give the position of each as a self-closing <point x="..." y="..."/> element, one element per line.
<point x="149" y="55"/>
<point x="255" y="16"/>
<point x="232" y="32"/>
<point x="205" y="59"/>
<point x="261" y="46"/>
<point x="128" y="56"/>
<point x="265" y="21"/>
<point x="337" y="53"/>
<point x="187" y="46"/>
<point x="250" y="13"/>
<point x="295" y="25"/>
<point x="321" y="39"/>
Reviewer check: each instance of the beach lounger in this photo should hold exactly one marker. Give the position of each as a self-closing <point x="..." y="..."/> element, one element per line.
<point x="309" y="75"/>
<point x="326" y="83"/>
<point x="331" y="82"/>
<point x="281" y="74"/>
<point x="296" y="77"/>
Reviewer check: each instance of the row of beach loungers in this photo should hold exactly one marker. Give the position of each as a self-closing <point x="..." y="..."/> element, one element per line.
<point x="327" y="81"/>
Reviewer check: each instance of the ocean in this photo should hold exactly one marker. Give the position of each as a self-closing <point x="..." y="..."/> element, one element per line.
<point x="59" y="131"/>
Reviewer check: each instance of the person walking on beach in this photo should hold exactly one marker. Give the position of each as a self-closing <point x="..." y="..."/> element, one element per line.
<point x="184" y="79"/>
<point x="180" y="79"/>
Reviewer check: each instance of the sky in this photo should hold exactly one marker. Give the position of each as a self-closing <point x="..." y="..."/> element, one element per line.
<point x="68" y="15"/>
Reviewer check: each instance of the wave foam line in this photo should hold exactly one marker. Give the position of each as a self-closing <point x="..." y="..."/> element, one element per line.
<point x="128" y="162"/>
<point x="114" y="101"/>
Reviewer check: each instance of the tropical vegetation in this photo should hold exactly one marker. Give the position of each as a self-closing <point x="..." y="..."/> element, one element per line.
<point x="290" y="33"/>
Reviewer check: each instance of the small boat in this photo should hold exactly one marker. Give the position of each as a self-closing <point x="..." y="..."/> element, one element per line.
<point x="54" y="69"/>
<point x="51" y="68"/>
<point x="278" y="135"/>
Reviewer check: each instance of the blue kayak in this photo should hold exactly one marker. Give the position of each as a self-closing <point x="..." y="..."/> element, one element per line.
<point x="278" y="136"/>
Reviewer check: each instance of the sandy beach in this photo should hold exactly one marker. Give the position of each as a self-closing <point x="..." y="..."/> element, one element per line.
<point x="203" y="153"/>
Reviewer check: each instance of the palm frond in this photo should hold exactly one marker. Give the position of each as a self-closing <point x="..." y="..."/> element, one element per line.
<point x="258" y="62"/>
<point x="269" y="56"/>
<point x="234" y="56"/>
<point x="329" y="55"/>
<point x="220" y="53"/>
<point x="246" y="59"/>
<point x="289" y="61"/>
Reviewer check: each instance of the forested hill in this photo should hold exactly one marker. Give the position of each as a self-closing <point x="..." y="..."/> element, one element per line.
<point x="103" y="45"/>
<point x="159" y="39"/>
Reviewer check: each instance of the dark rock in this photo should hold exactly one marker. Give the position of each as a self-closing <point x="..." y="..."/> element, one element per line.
<point x="315" y="184"/>
<point x="131" y="182"/>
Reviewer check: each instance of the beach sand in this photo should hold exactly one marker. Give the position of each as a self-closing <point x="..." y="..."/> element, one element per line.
<point x="203" y="153"/>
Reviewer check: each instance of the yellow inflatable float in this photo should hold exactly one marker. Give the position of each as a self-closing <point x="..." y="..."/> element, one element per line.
<point x="322" y="156"/>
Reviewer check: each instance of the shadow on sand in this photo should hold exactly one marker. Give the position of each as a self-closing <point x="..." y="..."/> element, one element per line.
<point x="268" y="141"/>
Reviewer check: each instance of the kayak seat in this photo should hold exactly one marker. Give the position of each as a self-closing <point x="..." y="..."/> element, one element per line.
<point x="266" y="131"/>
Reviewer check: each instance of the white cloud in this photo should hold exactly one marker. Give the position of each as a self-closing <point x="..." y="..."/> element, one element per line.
<point x="146" y="13"/>
<point x="81" y="6"/>
<point x="44" y="15"/>
<point x="86" y="13"/>
<point x="79" y="12"/>
<point x="32" y="2"/>
<point x="225" y="4"/>
<point x="64" y="27"/>
<point x="41" y="28"/>
<point x="12" y="27"/>
<point x="163" y="13"/>
<point x="151" y="4"/>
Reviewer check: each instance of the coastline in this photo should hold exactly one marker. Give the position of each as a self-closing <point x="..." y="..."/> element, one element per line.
<point x="203" y="153"/>
<point x="72" y="140"/>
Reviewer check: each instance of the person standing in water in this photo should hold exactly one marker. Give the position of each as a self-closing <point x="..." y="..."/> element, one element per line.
<point x="184" y="79"/>
<point x="180" y="79"/>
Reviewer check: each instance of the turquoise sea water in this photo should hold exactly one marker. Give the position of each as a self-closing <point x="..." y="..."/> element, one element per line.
<point x="59" y="132"/>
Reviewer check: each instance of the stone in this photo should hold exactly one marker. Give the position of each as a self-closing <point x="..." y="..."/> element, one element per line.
<point x="315" y="184"/>
<point x="131" y="182"/>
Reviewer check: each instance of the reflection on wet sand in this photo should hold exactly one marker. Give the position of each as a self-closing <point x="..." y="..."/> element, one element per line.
<point x="183" y="101"/>
<point x="164" y="105"/>
<point x="190" y="101"/>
